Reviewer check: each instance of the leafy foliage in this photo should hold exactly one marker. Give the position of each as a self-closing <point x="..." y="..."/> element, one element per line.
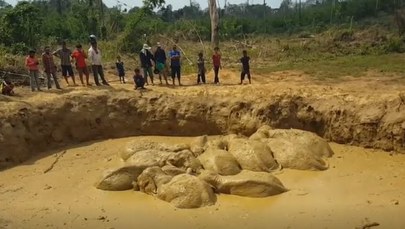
<point x="39" y="22"/>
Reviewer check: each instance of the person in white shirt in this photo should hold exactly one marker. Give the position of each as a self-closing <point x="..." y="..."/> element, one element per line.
<point x="96" y="64"/>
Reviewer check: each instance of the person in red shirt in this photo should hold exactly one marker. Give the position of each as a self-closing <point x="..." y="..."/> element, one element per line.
<point x="50" y="68"/>
<point x="31" y="62"/>
<point x="81" y="65"/>
<point x="216" y="60"/>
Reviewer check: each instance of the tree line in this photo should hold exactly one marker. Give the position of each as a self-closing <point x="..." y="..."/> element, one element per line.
<point x="30" y="24"/>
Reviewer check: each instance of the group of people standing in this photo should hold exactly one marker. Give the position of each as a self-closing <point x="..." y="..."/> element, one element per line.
<point x="151" y="64"/>
<point x="156" y="63"/>
<point x="217" y="65"/>
<point x="67" y="57"/>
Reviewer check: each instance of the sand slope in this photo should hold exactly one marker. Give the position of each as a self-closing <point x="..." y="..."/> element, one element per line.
<point x="367" y="112"/>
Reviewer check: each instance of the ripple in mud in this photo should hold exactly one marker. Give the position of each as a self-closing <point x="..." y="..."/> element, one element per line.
<point x="188" y="175"/>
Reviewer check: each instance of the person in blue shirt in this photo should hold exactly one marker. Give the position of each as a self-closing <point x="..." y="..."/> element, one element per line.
<point x="160" y="58"/>
<point x="120" y="69"/>
<point x="175" y="64"/>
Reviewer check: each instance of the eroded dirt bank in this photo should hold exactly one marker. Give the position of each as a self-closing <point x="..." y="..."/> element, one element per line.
<point x="48" y="121"/>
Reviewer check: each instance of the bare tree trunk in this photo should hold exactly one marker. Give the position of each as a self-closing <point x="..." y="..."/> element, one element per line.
<point x="300" y="12"/>
<point x="214" y="23"/>
<point x="400" y="20"/>
<point x="376" y="6"/>
<point x="332" y="10"/>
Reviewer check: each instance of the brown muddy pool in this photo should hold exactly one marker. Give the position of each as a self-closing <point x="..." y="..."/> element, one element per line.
<point x="362" y="187"/>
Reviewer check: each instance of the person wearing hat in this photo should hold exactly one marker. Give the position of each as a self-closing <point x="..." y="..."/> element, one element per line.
<point x="147" y="60"/>
<point x="93" y="39"/>
<point x="160" y="58"/>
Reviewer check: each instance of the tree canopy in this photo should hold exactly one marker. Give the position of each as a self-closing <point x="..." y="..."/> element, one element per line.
<point x="25" y="25"/>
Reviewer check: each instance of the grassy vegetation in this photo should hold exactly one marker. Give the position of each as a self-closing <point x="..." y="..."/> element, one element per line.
<point x="355" y="66"/>
<point x="322" y="56"/>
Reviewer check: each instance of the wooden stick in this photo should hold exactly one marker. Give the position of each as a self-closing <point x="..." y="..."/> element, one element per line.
<point x="190" y="62"/>
<point x="199" y="37"/>
<point x="56" y="161"/>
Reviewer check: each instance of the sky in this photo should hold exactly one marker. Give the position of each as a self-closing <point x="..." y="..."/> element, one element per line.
<point x="180" y="3"/>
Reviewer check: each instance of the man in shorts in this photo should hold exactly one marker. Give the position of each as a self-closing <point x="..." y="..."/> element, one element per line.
<point x="245" y="67"/>
<point x="80" y="56"/>
<point x="175" y="64"/>
<point x="160" y="58"/>
<point x="64" y="54"/>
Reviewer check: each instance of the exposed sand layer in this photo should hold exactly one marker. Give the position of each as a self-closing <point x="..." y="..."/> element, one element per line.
<point x="365" y="112"/>
<point x="361" y="186"/>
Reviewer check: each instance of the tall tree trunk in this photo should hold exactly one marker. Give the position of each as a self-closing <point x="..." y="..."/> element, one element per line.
<point x="214" y="23"/>
<point x="300" y="12"/>
<point x="59" y="7"/>
<point x="376" y="6"/>
<point x="332" y="10"/>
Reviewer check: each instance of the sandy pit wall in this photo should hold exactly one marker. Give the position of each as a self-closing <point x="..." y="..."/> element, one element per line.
<point x="27" y="128"/>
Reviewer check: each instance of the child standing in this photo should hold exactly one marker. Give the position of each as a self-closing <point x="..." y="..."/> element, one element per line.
<point x="201" y="68"/>
<point x="138" y="79"/>
<point x="245" y="67"/>
<point x="120" y="69"/>
<point x="80" y="56"/>
<point x="31" y="62"/>
<point x="216" y="60"/>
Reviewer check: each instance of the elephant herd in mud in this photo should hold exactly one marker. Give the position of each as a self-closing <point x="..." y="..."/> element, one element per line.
<point x="189" y="175"/>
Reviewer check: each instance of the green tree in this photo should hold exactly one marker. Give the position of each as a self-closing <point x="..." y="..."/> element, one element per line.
<point x="3" y="4"/>
<point x="22" y="24"/>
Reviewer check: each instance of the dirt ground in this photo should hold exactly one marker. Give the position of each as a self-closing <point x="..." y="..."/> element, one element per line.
<point x="371" y="83"/>
<point x="362" y="186"/>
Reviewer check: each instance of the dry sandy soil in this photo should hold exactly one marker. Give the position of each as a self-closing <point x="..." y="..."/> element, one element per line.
<point x="362" y="186"/>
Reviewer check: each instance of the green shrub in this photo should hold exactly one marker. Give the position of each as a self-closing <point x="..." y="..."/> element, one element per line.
<point x="344" y="35"/>
<point x="394" y="44"/>
<point x="19" y="48"/>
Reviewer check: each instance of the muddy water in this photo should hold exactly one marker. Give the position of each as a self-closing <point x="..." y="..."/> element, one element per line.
<point x="362" y="186"/>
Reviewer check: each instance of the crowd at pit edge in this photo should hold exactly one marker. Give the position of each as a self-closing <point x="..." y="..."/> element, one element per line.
<point x="151" y="64"/>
